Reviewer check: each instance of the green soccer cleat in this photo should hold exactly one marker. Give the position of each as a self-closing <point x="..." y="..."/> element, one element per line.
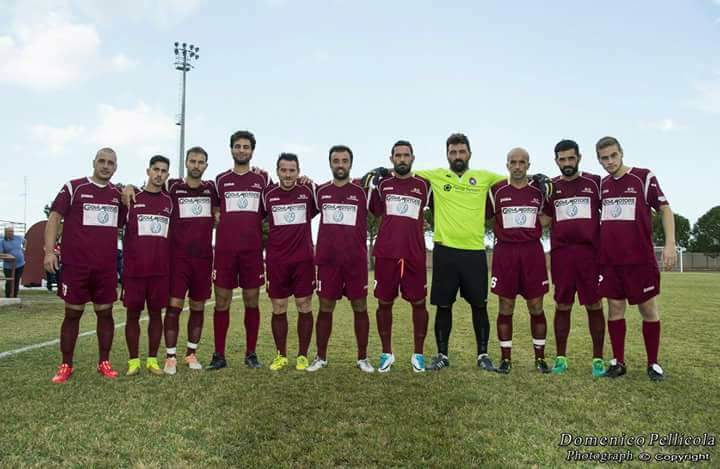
<point x="278" y="363"/>
<point x="301" y="363"/>
<point x="560" y="366"/>
<point x="153" y="367"/>
<point x="598" y="368"/>
<point x="133" y="367"/>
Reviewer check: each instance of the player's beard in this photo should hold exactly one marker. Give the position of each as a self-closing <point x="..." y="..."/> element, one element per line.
<point x="195" y="173"/>
<point x="402" y="169"/>
<point x="459" y="165"/>
<point x="242" y="161"/>
<point x="341" y="174"/>
<point x="569" y="171"/>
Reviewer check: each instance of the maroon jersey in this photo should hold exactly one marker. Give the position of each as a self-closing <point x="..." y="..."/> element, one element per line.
<point x="625" y="223"/>
<point x="342" y="236"/>
<point x="241" y="212"/>
<point x="192" y="220"/>
<point x="146" y="246"/>
<point x="289" y="214"/>
<point x="92" y="215"/>
<point x="400" y="203"/>
<point x="575" y="209"/>
<point x="516" y="212"/>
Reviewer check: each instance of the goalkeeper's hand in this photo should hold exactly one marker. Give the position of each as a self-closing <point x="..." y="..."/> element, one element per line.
<point x="543" y="183"/>
<point x="373" y="177"/>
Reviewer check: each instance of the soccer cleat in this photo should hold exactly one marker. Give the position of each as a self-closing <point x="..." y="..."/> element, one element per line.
<point x="655" y="372"/>
<point x="192" y="362"/>
<point x="615" y="370"/>
<point x="505" y="367"/>
<point x="217" y="362"/>
<point x="105" y="369"/>
<point x="560" y="366"/>
<point x="63" y="373"/>
<point x="133" y="367"/>
<point x="152" y="366"/>
<point x="251" y="361"/>
<point x="386" y="362"/>
<point x="365" y="365"/>
<point x="170" y="366"/>
<point x="541" y="365"/>
<point x="301" y="363"/>
<point x="484" y="362"/>
<point x="418" y="362"/>
<point x="279" y="363"/>
<point x="439" y="362"/>
<point x="598" y="368"/>
<point x="317" y="364"/>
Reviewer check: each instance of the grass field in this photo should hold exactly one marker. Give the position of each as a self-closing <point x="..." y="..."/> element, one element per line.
<point x="459" y="417"/>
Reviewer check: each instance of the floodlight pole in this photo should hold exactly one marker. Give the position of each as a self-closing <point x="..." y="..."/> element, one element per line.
<point x="184" y="54"/>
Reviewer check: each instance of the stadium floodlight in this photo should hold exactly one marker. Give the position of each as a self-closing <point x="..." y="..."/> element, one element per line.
<point x="184" y="56"/>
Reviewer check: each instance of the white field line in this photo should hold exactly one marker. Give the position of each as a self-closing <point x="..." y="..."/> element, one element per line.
<point x="83" y="334"/>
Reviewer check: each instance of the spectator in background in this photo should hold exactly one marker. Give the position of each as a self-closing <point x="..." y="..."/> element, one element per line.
<point x="15" y="246"/>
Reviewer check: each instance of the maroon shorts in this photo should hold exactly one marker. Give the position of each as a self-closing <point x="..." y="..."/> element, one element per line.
<point x="636" y="282"/>
<point x="575" y="269"/>
<point x="81" y="284"/>
<point x="407" y="276"/>
<point x="155" y="291"/>
<point x="350" y="280"/>
<point x="519" y="269"/>
<point x="293" y="279"/>
<point x="191" y="276"/>
<point x="242" y="269"/>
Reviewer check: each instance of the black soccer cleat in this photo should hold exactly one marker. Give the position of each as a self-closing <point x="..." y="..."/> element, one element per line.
<point x="438" y="362"/>
<point x="251" y="361"/>
<point x="541" y="365"/>
<point x="505" y="366"/>
<point x="616" y="369"/>
<point x="484" y="363"/>
<point x="217" y="362"/>
<point x="655" y="372"/>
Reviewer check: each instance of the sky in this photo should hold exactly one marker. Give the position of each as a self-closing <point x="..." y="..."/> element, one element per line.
<point x="78" y="75"/>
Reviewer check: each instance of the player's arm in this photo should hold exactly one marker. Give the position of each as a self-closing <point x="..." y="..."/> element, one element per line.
<point x="545" y="220"/>
<point x="373" y="177"/>
<point x="668" y="223"/>
<point x="50" y="262"/>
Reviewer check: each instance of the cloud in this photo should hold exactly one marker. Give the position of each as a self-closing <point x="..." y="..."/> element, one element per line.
<point x="163" y="13"/>
<point x="141" y="126"/>
<point x="666" y="125"/>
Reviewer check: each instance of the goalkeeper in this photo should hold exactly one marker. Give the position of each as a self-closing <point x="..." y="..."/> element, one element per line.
<point x="459" y="262"/>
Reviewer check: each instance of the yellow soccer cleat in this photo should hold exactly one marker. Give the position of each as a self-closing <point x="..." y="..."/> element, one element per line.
<point x="133" y="367"/>
<point x="279" y="363"/>
<point x="301" y="363"/>
<point x="153" y="367"/>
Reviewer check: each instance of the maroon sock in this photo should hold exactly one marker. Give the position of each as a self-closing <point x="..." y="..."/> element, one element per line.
<point x="420" y="324"/>
<point x="538" y="329"/>
<point x="323" y="329"/>
<point x="171" y="327"/>
<point x="105" y="330"/>
<point x="194" y="329"/>
<point x="384" y="325"/>
<point x="304" y="330"/>
<point x="616" y="330"/>
<point x="362" y="331"/>
<point x="252" y="329"/>
<point x="505" y="332"/>
<point x="155" y="330"/>
<point x="596" y="323"/>
<point x="651" y="334"/>
<point x="69" y="331"/>
<point x="132" y="333"/>
<point x="221" y="323"/>
<point x="279" y="325"/>
<point x="561" y="324"/>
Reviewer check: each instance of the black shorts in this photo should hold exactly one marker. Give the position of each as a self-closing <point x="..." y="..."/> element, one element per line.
<point x="461" y="269"/>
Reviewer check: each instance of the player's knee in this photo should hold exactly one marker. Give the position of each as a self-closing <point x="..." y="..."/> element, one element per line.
<point x="327" y="305"/>
<point x="133" y="315"/>
<point x="251" y="297"/>
<point x="73" y="313"/>
<point x="197" y="305"/>
<point x="385" y="303"/>
<point x="359" y="306"/>
<point x="103" y="310"/>
<point x="223" y="297"/>
<point x="563" y="307"/>
<point x="594" y="306"/>
<point x="304" y="305"/>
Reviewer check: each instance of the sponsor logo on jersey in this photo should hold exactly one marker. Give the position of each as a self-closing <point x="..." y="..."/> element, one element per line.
<point x="195" y="207"/>
<point x="325" y="197"/>
<point x="402" y="206"/>
<point x="242" y="201"/>
<point x="572" y="208"/>
<point x="86" y="196"/>
<point x="139" y="206"/>
<point x="153" y="225"/>
<point x="618" y="209"/>
<point x="506" y="199"/>
<point x="472" y="181"/>
<point x="181" y="191"/>
<point x="388" y="188"/>
<point x="274" y="199"/>
<point x="289" y="214"/>
<point x="100" y="215"/>
<point x="339" y="214"/>
<point x="228" y="184"/>
<point x="447" y="187"/>
<point x="519" y="217"/>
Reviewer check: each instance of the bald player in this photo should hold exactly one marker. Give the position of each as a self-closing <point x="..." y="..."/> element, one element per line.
<point x="518" y="265"/>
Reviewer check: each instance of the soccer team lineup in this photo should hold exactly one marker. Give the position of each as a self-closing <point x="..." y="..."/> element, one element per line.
<point x="251" y="231"/>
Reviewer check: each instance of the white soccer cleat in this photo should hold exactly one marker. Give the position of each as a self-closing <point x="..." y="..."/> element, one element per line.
<point x="418" y="362"/>
<point x="365" y="366"/>
<point x="386" y="362"/>
<point x="170" y="366"/>
<point x="192" y="362"/>
<point x="317" y="364"/>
